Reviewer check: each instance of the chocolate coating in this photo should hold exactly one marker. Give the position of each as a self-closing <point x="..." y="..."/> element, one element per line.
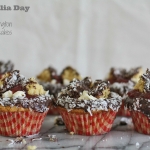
<point x="140" y="101"/>
<point x="39" y="103"/>
<point x="122" y="75"/>
<point x="68" y="97"/>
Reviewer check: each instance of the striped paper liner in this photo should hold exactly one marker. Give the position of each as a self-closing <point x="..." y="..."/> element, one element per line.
<point x="141" y="122"/>
<point x="21" y="123"/>
<point x="85" y="124"/>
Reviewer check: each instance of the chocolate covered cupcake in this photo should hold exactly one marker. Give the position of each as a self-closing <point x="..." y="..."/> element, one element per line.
<point x="23" y="105"/>
<point x="138" y="102"/>
<point x="121" y="82"/>
<point x="88" y="108"/>
<point x="68" y="74"/>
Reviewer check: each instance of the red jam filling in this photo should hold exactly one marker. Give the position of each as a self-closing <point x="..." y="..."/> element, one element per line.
<point x="138" y="94"/>
<point x="30" y="96"/>
<point x="20" y="88"/>
<point x="17" y="88"/>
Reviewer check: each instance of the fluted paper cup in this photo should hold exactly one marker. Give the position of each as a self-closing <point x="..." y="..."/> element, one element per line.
<point x="21" y="123"/>
<point x="84" y="124"/>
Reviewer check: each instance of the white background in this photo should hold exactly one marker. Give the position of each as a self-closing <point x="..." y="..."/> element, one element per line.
<point x="89" y="35"/>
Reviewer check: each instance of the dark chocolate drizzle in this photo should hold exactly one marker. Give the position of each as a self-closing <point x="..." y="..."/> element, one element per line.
<point x="76" y="87"/>
<point x="68" y="97"/>
<point x="138" y="104"/>
<point x="39" y="103"/>
<point x="122" y="75"/>
<point x="140" y="101"/>
<point x="53" y="89"/>
<point x="12" y="80"/>
<point x="98" y="87"/>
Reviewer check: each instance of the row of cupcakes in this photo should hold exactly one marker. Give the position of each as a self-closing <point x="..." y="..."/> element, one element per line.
<point x="87" y="107"/>
<point x="121" y="81"/>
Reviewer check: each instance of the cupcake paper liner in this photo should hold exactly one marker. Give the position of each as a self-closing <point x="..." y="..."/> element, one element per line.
<point x="141" y="122"/>
<point x="22" y="123"/>
<point x="84" y="124"/>
<point x="123" y="112"/>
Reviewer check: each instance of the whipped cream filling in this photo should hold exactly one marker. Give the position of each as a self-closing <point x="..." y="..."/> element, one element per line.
<point x="53" y="81"/>
<point x="7" y="94"/>
<point x="66" y="82"/>
<point x="86" y="96"/>
<point x="19" y="94"/>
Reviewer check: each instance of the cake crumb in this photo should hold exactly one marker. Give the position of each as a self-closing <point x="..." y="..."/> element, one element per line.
<point x="137" y="144"/>
<point x="72" y="133"/>
<point x="126" y="121"/>
<point x="30" y="147"/>
<point x="19" y="140"/>
<point x="36" y="139"/>
<point x="59" y="121"/>
<point x="24" y="141"/>
<point x="53" y="138"/>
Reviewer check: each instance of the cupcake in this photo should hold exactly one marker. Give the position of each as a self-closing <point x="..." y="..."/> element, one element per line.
<point x="138" y="101"/>
<point x="53" y="82"/>
<point x="50" y="80"/>
<point x="121" y="82"/>
<point x="23" y="105"/>
<point x="5" y="67"/>
<point x="68" y="74"/>
<point x="88" y="108"/>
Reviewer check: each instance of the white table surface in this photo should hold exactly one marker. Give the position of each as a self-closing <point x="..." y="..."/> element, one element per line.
<point x="121" y="137"/>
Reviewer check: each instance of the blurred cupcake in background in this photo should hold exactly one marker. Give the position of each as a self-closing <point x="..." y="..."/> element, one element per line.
<point x="54" y="82"/>
<point x="121" y="82"/>
<point x="6" y="67"/>
<point x="68" y="74"/>
<point x="50" y="80"/>
<point x="23" y="105"/>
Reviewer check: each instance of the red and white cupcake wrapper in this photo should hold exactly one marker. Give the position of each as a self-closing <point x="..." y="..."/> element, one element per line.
<point x="20" y="123"/>
<point x="141" y="122"/>
<point x="84" y="124"/>
<point x="123" y="112"/>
